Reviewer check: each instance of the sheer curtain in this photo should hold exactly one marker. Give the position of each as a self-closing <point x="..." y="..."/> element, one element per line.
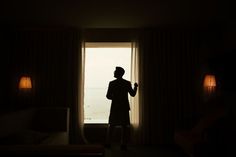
<point x="77" y="108"/>
<point x="80" y="105"/>
<point x="134" y="105"/>
<point x="134" y="78"/>
<point x="137" y="114"/>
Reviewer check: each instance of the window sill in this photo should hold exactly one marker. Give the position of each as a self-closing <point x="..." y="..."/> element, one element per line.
<point x="95" y="125"/>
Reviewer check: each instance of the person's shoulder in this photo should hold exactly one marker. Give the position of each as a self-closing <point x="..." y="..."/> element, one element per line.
<point x="126" y="81"/>
<point x="113" y="81"/>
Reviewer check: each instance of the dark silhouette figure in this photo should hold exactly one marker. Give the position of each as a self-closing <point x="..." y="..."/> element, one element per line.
<point x="119" y="112"/>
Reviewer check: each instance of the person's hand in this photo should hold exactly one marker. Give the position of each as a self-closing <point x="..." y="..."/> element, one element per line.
<point x="135" y="85"/>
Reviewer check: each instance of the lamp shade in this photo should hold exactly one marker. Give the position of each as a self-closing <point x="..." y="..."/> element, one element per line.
<point x="25" y="83"/>
<point x="209" y="83"/>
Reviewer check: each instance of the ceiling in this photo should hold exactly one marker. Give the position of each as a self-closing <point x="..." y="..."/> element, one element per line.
<point x="118" y="14"/>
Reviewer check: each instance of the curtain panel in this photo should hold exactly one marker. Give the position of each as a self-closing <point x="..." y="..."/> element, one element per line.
<point x="52" y="57"/>
<point x="169" y="82"/>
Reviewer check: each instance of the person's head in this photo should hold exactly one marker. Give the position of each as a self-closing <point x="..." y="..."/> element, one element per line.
<point x="119" y="72"/>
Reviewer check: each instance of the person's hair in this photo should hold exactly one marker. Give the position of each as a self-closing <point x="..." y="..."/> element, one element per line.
<point x="120" y="71"/>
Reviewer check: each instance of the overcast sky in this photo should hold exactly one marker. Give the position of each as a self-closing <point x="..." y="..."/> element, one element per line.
<point x="100" y="64"/>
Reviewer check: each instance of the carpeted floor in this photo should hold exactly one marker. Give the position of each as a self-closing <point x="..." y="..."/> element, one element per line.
<point x="145" y="151"/>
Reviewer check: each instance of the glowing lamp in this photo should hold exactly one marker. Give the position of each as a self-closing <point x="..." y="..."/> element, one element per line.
<point x="209" y="83"/>
<point x="25" y="83"/>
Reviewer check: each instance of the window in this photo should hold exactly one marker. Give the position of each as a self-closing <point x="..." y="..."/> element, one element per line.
<point x="100" y="62"/>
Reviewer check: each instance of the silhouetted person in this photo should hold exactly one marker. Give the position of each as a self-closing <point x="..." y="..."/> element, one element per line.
<point x="119" y="112"/>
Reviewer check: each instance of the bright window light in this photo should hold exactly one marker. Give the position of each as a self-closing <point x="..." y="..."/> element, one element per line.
<point x="100" y="62"/>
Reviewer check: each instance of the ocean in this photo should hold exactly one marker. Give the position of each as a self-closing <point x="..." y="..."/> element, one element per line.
<point x="96" y="105"/>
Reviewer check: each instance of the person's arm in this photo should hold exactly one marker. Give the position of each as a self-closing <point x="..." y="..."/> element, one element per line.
<point x="109" y="93"/>
<point x="132" y="91"/>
